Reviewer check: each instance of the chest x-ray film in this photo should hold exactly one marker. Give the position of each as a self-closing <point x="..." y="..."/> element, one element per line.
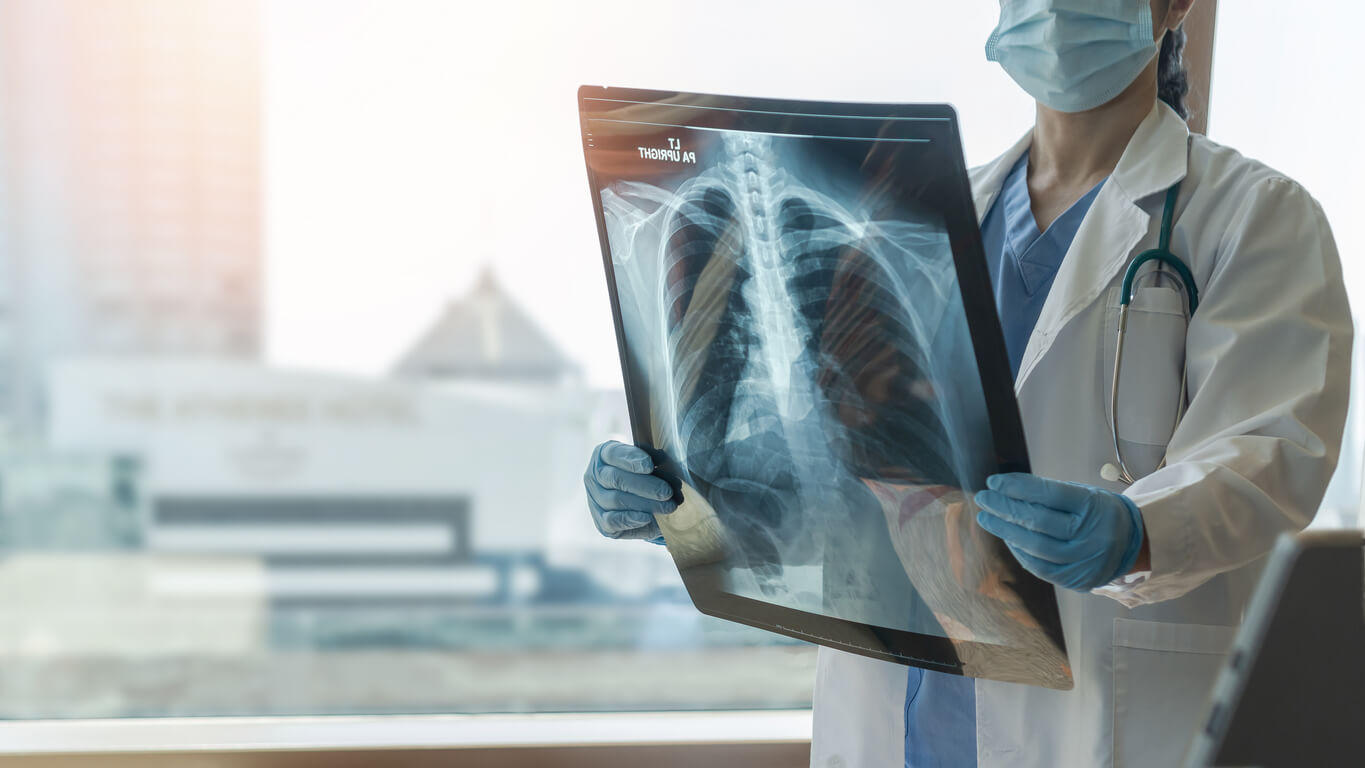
<point x="811" y="354"/>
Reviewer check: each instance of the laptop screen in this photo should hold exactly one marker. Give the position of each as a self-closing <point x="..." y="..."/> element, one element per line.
<point x="811" y="353"/>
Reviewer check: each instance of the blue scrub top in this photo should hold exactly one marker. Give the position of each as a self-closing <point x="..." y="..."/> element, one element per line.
<point x="940" y="709"/>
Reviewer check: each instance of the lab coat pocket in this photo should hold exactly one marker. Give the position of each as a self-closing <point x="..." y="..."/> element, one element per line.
<point x="1149" y="381"/>
<point x="1163" y="675"/>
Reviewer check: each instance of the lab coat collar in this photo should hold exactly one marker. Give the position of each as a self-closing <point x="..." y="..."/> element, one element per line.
<point x="1156" y="157"/>
<point x="989" y="179"/>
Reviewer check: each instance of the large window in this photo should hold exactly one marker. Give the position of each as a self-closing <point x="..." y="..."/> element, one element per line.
<point x="305" y="343"/>
<point x="304" y="338"/>
<point x="1298" y="111"/>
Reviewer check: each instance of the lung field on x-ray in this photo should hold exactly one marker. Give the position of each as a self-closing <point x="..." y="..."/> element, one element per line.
<point x="793" y="349"/>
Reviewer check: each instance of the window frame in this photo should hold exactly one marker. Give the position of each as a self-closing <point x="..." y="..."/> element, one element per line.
<point x="721" y="739"/>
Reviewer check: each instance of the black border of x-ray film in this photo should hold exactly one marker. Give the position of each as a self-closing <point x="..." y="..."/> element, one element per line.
<point x="948" y="189"/>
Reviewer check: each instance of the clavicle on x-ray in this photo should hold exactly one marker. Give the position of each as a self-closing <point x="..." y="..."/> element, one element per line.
<point x="799" y="359"/>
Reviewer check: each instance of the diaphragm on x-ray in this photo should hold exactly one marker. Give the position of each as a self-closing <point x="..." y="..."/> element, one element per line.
<point x="788" y="285"/>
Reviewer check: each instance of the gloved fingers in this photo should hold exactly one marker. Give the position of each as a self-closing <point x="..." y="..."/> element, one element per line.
<point x="622" y="496"/>
<point x="630" y="525"/>
<point x="631" y="458"/>
<point x="611" y="500"/>
<point x="645" y="486"/>
<point x="1067" y="497"/>
<point x="1037" y="544"/>
<point x="612" y="522"/>
<point x="1049" y="572"/>
<point x="1040" y="568"/>
<point x="1035" y="517"/>
<point x="1072" y="576"/>
<point x="658" y="540"/>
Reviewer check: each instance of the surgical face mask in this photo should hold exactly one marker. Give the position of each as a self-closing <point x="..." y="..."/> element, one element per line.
<point x="1073" y="55"/>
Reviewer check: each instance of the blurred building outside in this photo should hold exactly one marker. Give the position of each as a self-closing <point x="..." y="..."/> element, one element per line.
<point x="186" y="530"/>
<point x="130" y="186"/>
<point x="236" y="520"/>
<point x="457" y="481"/>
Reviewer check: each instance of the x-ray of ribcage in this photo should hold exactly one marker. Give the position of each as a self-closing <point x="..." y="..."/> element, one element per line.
<point x="811" y="373"/>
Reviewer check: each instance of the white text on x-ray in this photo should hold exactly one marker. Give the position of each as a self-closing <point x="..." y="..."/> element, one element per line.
<point x="673" y="153"/>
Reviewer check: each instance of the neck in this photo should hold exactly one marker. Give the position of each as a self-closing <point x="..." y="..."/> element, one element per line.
<point x="1073" y="149"/>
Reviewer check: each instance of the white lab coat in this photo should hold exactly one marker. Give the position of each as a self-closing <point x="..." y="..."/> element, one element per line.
<point x="1269" y="356"/>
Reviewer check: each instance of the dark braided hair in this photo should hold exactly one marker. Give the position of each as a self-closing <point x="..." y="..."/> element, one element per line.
<point x="1172" y="79"/>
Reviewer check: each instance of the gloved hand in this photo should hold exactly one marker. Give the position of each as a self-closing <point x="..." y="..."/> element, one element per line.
<point x="1073" y="535"/>
<point x="622" y="494"/>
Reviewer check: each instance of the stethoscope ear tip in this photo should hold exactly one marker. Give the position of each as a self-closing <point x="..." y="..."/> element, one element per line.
<point x="1109" y="472"/>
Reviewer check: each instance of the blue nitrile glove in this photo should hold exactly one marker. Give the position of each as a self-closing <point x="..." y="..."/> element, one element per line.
<point x="1073" y="535"/>
<point x="622" y="494"/>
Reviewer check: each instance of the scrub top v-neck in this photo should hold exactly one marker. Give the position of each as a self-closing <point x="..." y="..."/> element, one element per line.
<point x="940" y="709"/>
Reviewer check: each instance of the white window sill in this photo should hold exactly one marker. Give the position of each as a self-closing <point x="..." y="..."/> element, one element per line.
<point x="37" y="737"/>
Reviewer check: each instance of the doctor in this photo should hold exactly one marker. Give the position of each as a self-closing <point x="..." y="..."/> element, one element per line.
<point x="1153" y="576"/>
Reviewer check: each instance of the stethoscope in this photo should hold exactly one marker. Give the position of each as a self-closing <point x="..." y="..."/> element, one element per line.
<point x="1163" y="256"/>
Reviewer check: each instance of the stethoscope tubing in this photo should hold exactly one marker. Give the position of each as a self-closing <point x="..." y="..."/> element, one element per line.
<point x="1161" y="254"/>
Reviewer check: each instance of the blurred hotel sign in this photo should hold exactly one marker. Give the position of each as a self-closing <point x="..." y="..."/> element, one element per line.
<point x="349" y="492"/>
<point x="242" y="435"/>
<point x="263" y="408"/>
<point x="262" y="454"/>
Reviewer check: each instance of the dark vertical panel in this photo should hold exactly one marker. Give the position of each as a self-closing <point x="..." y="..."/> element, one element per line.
<point x="1200" y="27"/>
